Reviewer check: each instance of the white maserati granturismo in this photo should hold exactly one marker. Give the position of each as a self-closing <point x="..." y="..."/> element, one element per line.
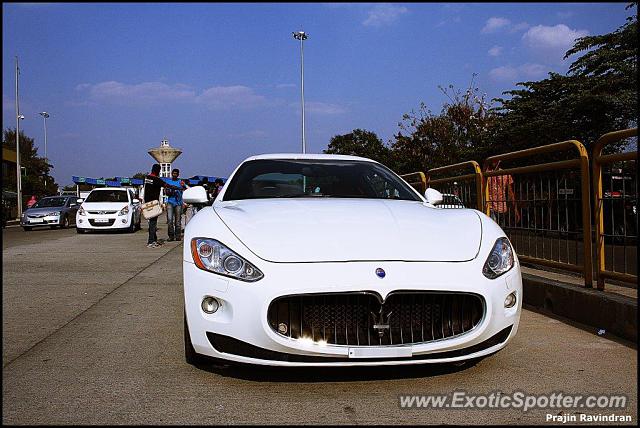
<point x="330" y="260"/>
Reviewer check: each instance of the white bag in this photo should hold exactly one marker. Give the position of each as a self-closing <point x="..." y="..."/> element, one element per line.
<point x="152" y="209"/>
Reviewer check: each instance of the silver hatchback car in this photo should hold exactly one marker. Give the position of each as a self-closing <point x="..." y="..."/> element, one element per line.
<point x="52" y="211"/>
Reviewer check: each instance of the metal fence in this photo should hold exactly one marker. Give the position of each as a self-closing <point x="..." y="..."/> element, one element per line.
<point x="544" y="206"/>
<point x="459" y="191"/>
<point x="615" y="184"/>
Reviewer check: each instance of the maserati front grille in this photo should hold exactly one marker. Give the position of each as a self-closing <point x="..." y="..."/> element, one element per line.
<point x="361" y="319"/>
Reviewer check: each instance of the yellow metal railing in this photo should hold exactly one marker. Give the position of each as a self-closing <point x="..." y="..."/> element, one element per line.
<point x="417" y="180"/>
<point x="581" y="163"/>
<point x="598" y="161"/>
<point x="476" y="176"/>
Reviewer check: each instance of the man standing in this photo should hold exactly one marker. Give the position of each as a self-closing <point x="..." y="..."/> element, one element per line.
<point x="152" y="185"/>
<point x="500" y="194"/>
<point x="174" y="205"/>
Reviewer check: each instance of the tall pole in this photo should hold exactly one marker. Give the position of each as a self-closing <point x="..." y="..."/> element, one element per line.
<point x="45" y="115"/>
<point x="302" y="36"/>
<point x="18" y="169"/>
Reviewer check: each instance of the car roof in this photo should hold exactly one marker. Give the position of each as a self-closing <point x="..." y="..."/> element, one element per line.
<point x="307" y="156"/>
<point x="110" y="188"/>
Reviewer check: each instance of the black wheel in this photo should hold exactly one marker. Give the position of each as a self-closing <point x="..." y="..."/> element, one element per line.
<point x="26" y="229"/>
<point x="190" y="354"/>
<point x="132" y="226"/>
<point x="65" y="222"/>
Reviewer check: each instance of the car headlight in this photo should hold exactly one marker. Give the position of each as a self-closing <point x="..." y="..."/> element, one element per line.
<point x="500" y="259"/>
<point x="124" y="211"/>
<point x="53" y="213"/>
<point x="81" y="211"/>
<point x="211" y="255"/>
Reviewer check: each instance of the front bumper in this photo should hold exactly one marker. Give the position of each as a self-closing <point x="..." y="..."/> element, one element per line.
<point x="50" y="220"/>
<point x="103" y="222"/>
<point x="240" y="331"/>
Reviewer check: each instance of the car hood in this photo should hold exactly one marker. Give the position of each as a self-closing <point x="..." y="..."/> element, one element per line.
<point x="324" y="230"/>
<point x="104" y="206"/>
<point x="44" y="210"/>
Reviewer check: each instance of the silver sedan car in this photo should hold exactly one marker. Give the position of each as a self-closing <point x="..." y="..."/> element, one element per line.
<point x="52" y="211"/>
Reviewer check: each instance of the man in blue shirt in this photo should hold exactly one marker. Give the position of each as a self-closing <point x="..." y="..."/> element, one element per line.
<point x="174" y="206"/>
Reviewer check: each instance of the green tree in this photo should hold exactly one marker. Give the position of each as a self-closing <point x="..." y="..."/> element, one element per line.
<point x="461" y="131"/>
<point x="360" y="142"/>
<point x="35" y="167"/>
<point x="141" y="175"/>
<point x="598" y="95"/>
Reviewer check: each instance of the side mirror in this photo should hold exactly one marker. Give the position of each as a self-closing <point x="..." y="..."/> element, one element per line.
<point x="433" y="196"/>
<point x="80" y="201"/>
<point x="195" y="195"/>
<point x="136" y="201"/>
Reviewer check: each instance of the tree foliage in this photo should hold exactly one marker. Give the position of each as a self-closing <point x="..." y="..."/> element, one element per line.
<point x="462" y="130"/>
<point x="35" y="167"/>
<point x="598" y="95"/>
<point x="360" y="142"/>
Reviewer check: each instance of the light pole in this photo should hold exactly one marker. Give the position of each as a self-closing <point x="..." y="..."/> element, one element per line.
<point x="45" y="115"/>
<point x="302" y="36"/>
<point x="19" y="117"/>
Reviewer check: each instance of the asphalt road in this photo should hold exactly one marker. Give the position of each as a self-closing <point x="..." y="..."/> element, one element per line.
<point x="92" y="334"/>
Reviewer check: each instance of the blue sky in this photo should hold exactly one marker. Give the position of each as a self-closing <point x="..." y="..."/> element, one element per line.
<point x="222" y="81"/>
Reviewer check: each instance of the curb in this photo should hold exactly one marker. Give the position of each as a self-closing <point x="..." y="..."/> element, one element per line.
<point x="610" y="312"/>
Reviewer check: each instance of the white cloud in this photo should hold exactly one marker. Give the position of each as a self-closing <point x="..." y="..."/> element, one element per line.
<point x="153" y="93"/>
<point x="533" y="71"/>
<point x="384" y="14"/>
<point x="527" y="71"/>
<point x="142" y="93"/>
<point x="495" y="24"/>
<point x="230" y="96"/>
<point x="495" y="51"/>
<point x="519" y="27"/>
<point x="504" y="73"/>
<point x="553" y="41"/>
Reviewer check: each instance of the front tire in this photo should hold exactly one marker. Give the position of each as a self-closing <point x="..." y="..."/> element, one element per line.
<point x="132" y="227"/>
<point x="65" y="222"/>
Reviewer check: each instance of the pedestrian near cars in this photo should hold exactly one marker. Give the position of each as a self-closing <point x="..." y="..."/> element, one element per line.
<point x="175" y="205"/>
<point x="217" y="187"/>
<point x="152" y="185"/>
<point x="501" y="195"/>
<point x="31" y="202"/>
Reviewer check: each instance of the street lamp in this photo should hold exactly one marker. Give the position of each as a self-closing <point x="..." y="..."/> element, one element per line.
<point x="302" y="36"/>
<point x="18" y="168"/>
<point x="45" y="115"/>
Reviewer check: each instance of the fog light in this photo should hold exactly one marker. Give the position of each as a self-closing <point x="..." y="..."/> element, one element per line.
<point x="124" y="220"/>
<point x="510" y="300"/>
<point x="79" y="220"/>
<point x="210" y="305"/>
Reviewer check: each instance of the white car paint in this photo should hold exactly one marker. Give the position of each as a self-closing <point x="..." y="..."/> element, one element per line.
<point x="308" y="246"/>
<point x="105" y="215"/>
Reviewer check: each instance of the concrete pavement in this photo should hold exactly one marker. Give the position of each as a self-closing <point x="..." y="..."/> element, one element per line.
<point x="92" y="334"/>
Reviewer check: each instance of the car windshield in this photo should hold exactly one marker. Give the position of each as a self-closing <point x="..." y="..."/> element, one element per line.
<point x="107" y="196"/>
<point x="288" y="178"/>
<point x="49" y="202"/>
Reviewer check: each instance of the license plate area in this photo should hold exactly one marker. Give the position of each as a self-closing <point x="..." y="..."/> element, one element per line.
<point x="382" y="352"/>
<point x="36" y="220"/>
<point x="101" y="220"/>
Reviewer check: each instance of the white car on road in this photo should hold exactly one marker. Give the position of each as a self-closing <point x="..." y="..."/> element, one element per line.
<point x="330" y="260"/>
<point x="109" y="208"/>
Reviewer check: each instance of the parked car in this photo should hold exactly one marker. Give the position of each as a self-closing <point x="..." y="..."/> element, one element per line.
<point x="109" y="208"/>
<point x="331" y="260"/>
<point x="52" y="211"/>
